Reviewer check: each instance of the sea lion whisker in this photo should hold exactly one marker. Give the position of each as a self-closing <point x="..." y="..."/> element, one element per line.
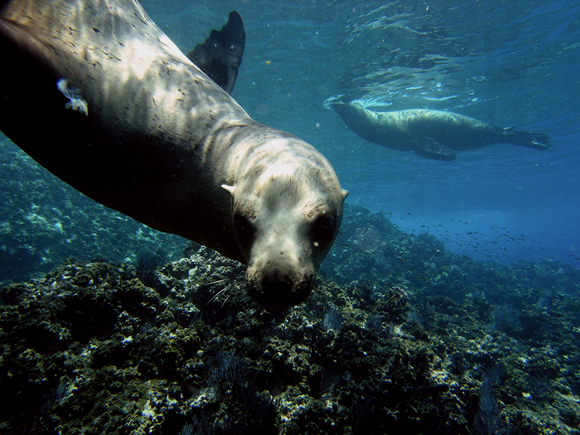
<point x="218" y="281"/>
<point x="225" y="289"/>
<point x="226" y="299"/>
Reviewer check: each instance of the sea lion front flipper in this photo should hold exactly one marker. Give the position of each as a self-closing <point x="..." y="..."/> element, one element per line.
<point x="431" y="149"/>
<point x="220" y="56"/>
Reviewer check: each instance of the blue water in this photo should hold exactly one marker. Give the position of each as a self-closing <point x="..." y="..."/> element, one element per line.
<point x="509" y="64"/>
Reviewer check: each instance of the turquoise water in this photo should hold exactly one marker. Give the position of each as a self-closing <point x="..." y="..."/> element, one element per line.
<point x="509" y="64"/>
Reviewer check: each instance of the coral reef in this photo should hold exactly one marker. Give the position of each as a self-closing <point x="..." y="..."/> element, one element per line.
<point x="398" y="337"/>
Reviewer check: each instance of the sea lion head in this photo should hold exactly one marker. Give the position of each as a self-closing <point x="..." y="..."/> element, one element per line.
<point x="286" y="211"/>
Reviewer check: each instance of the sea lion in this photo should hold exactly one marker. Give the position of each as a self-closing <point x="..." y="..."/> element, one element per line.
<point x="95" y="92"/>
<point x="433" y="134"/>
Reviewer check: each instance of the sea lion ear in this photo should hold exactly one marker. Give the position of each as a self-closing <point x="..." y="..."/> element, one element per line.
<point x="229" y="188"/>
<point x="345" y="193"/>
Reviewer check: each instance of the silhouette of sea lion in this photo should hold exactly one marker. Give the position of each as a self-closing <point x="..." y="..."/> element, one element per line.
<point x="433" y="134"/>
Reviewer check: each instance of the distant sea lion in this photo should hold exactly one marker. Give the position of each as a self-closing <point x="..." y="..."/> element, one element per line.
<point x="433" y="134"/>
<point x="100" y="96"/>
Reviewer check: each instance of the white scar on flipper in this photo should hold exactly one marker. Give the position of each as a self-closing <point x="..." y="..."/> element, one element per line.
<point x="74" y="95"/>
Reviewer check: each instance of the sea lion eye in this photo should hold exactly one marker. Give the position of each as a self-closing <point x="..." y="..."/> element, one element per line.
<point x="245" y="230"/>
<point x="323" y="229"/>
<point x="326" y="222"/>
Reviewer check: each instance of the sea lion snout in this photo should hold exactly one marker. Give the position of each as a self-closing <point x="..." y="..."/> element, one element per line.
<point x="281" y="269"/>
<point x="286" y="251"/>
<point x="285" y="245"/>
<point x="270" y="285"/>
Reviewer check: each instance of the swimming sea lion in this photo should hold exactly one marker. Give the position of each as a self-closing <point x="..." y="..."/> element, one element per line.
<point x="100" y="96"/>
<point x="433" y="134"/>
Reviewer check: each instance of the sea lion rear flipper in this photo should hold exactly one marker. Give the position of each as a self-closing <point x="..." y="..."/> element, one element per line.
<point x="539" y="141"/>
<point x="221" y="54"/>
<point x="431" y="149"/>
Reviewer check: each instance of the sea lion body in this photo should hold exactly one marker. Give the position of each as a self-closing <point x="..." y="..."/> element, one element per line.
<point x="161" y="142"/>
<point x="433" y="134"/>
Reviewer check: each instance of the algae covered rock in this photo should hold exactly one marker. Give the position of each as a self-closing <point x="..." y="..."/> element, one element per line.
<point x="433" y="344"/>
